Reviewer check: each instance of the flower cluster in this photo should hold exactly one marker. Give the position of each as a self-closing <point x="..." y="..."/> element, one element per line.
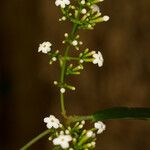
<point x="85" y="56"/>
<point x="84" y="14"/>
<point x="73" y="137"/>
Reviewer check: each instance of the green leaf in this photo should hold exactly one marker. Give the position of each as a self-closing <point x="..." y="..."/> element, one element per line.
<point x="122" y="113"/>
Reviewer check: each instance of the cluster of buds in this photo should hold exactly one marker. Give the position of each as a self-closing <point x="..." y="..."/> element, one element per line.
<point x="73" y="41"/>
<point x="85" y="56"/>
<point x="73" y="137"/>
<point x="85" y="13"/>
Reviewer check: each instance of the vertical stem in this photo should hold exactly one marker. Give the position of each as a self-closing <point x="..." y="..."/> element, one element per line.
<point x="63" y="69"/>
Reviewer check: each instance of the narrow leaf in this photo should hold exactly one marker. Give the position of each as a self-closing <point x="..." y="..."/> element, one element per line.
<point x="122" y="113"/>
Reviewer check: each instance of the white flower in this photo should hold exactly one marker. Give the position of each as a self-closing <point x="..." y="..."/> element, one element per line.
<point x="45" y="47"/>
<point x="81" y="61"/>
<point x="89" y="134"/>
<point x="98" y="59"/>
<point x="106" y="18"/>
<point x="100" y="126"/>
<point x="63" y="141"/>
<point x="52" y="122"/>
<point x="83" y="11"/>
<point x="66" y="34"/>
<point x="83" y="2"/>
<point x="75" y="43"/>
<point x="62" y="90"/>
<point x="54" y="58"/>
<point x="62" y="3"/>
<point x="95" y="8"/>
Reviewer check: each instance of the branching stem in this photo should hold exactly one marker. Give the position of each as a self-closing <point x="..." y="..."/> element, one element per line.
<point x="63" y="69"/>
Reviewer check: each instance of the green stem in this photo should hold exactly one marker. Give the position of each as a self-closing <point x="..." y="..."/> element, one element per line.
<point x="63" y="69"/>
<point x="34" y="140"/>
<point x="72" y="58"/>
<point x="73" y="119"/>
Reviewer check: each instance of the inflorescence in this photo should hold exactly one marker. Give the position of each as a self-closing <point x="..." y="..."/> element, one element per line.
<point x="73" y="137"/>
<point x="83" y="14"/>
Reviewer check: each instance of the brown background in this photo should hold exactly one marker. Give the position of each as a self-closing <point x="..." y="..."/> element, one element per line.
<point x="26" y="78"/>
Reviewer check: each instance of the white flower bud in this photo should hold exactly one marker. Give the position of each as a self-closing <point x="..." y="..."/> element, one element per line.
<point x="83" y="122"/>
<point x="83" y="11"/>
<point x="75" y="43"/>
<point x="106" y="18"/>
<point x="89" y="134"/>
<point x="62" y="90"/>
<point x="83" y="2"/>
<point x="63" y="18"/>
<point x="55" y="82"/>
<point x="66" y="34"/>
<point x="54" y="58"/>
<point x="81" y="61"/>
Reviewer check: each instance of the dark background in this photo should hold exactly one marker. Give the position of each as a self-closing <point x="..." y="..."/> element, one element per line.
<point x="27" y="93"/>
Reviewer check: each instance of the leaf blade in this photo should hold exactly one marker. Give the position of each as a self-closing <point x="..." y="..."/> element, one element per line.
<point x="138" y="113"/>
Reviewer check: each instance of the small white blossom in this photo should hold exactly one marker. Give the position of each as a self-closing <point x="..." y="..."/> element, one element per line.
<point x="61" y="132"/>
<point x="89" y="134"/>
<point x="80" y="42"/>
<point x="67" y="131"/>
<point x="45" y="47"/>
<point x="100" y="126"/>
<point x="83" y="2"/>
<point x="63" y="18"/>
<point x="66" y="34"/>
<point x="89" y="145"/>
<point x="93" y="143"/>
<point x="52" y="122"/>
<point x="54" y="58"/>
<point x="89" y="25"/>
<point x="80" y="126"/>
<point x="81" y="61"/>
<point x="98" y="59"/>
<point x="62" y="3"/>
<point x="70" y="14"/>
<point x="95" y="8"/>
<point x="83" y="122"/>
<point x="63" y="141"/>
<point x="83" y="11"/>
<point x="55" y="82"/>
<point x="106" y="18"/>
<point x="62" y="90"/>
<point x="50" y="138"/>
<point x="75" y="43"/>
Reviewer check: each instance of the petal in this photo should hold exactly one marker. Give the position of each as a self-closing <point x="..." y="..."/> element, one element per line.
<point x="100" y="63"/>
<point x="68" y="138"/>
<point x="95" y="61"/>
<point x="62" y="5"/>
<point x="49" y="125"/>
<point x="55" y="125"/>
<point x="56" y="141"/>
<point x="67" y="2"/>
<point x="95" y="55"/>
<point x="46" y="120"/>
<point x="65" y="145"/>
<point x="57" y="2"/>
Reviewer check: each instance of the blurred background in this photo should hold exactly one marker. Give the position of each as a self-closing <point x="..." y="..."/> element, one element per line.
<point x="27" y="93"/>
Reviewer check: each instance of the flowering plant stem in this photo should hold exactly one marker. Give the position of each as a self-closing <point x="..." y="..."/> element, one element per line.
<point x="83" y="16"/>
<point x="106" y="114"/>
<point x="63" y="69"/>
<point x="34" y="140"/>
